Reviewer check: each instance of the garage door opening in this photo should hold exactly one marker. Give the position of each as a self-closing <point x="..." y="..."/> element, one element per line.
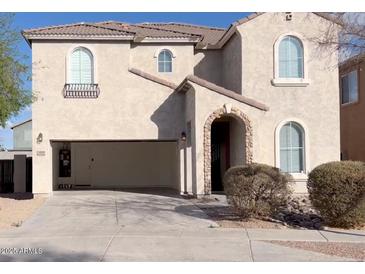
<point x="115" y="164"/>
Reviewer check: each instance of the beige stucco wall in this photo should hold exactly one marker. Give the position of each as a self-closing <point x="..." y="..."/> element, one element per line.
<point x="232" y="63"/>
<point x="129" y="107"/>
<point x="208" y="65"/>
<point x="144" y="57"/>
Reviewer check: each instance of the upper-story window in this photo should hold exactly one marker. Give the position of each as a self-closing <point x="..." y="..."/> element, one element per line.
<point x="349" y="88"/>
<point x="290" y="67"/>
<point x="291" y="58"/>
<point x="80" y="75"/>
<point x="81" y="66"/>
<point x="165" y="61"/>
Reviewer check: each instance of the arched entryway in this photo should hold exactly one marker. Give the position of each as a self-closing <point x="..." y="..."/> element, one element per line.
<point x="227" y="142"/>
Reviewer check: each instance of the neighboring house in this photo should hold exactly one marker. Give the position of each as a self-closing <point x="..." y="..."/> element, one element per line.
<point x="175" y="105"/>
<point x="352" y="83"/>
<point x="16" y="163"/>
<point x="22" y="135"/>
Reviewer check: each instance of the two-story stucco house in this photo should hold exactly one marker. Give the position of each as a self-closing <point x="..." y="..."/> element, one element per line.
<point x="175" y="105"/>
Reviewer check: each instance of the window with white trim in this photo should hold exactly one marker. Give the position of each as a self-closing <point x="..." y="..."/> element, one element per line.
<point x="292" y="148"/>
<point x="291" y="60"/>
<point x="165" y="61"/>
<point x="81" y="66"/>
<point x="349" y="88"/>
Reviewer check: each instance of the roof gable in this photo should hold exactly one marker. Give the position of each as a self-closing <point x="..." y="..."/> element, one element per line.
<point x="231" y="30"/>
<point x="22" y="123"/>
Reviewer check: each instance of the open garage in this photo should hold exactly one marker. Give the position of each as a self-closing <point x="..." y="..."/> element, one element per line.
<point x="115" y="164"/>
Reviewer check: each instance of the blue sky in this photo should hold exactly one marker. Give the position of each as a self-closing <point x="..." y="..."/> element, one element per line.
<point x="41" y="19"/>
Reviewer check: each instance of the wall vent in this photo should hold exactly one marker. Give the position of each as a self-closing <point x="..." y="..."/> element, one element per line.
<point x="288" y="16"/>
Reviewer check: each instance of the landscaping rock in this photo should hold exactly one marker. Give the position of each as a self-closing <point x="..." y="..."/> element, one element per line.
<point x="299" y="214"/>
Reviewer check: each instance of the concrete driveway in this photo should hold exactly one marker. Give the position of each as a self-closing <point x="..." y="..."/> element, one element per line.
<point x="131" y="226"/>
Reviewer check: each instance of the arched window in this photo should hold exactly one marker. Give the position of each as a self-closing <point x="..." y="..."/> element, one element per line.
<point x="291" y="58"/>
<point x="165" y="61"/>
<point x="81" y="66"/>
<point x="292" y="158"/>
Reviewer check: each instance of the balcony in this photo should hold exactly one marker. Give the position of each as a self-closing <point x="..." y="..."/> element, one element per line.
<point x="81" y="91"/>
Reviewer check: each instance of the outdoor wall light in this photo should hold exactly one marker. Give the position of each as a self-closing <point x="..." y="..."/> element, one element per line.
<point x="183" y="136"/>
<point x="39" y="138"/>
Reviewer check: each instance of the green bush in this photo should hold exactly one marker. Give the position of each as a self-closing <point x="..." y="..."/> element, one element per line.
<point x="256" y="189"/>
<point x="337" y="191"/>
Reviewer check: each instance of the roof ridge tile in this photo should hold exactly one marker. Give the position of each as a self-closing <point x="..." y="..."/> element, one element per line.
<point x="184" y="24"/>
<point x="174" y="31"/>
<point x="108" y="28"/>
<point x="54" y="26"/>
<point x="27" y="31"/>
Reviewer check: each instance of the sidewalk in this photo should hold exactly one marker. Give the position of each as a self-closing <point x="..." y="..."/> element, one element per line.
<point x="164" y="244"/>
<point x="357" y="236"/>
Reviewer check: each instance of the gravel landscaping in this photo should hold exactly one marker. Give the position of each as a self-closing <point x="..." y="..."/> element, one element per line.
<point x="348" y="250"/>
<point x="16" y="208"/>
<point x="224" y="216"/>
<point x="217" y="209"/>
<point x="299" y="214"/>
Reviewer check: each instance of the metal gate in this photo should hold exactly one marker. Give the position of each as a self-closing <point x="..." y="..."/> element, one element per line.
<point x="6" y="176"/>
<point x="28" y="172"/>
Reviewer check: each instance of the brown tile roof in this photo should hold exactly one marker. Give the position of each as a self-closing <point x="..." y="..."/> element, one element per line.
<point x="77" y="29"/>
<point x="221" y="90"/>
<point x="152" y="78"/>
<point x="148" y="31"/>
<point x="110" y="28"/>
<point x="210" y="35"/>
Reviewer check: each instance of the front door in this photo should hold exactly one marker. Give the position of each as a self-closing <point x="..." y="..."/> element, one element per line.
<point x="220" y="158"/>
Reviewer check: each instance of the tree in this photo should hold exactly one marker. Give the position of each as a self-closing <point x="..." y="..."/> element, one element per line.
<point x="13" y="72"/>
<point x="2" y="148"/>
<point x="345" y="34"/>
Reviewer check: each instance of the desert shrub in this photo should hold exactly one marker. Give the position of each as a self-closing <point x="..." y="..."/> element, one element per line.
<point x="256" y="189"/>
<point x="337" y="191"/>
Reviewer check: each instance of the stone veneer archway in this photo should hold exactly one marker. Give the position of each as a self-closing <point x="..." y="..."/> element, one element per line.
<point x="224" y="111"/>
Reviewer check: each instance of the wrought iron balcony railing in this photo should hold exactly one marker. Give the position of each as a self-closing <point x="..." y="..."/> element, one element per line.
<point x="81" y="91"/>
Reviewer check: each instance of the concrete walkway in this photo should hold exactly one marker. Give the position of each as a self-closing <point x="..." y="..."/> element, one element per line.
<point x="127" y="226"/>
<point x="354" y="236"/>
